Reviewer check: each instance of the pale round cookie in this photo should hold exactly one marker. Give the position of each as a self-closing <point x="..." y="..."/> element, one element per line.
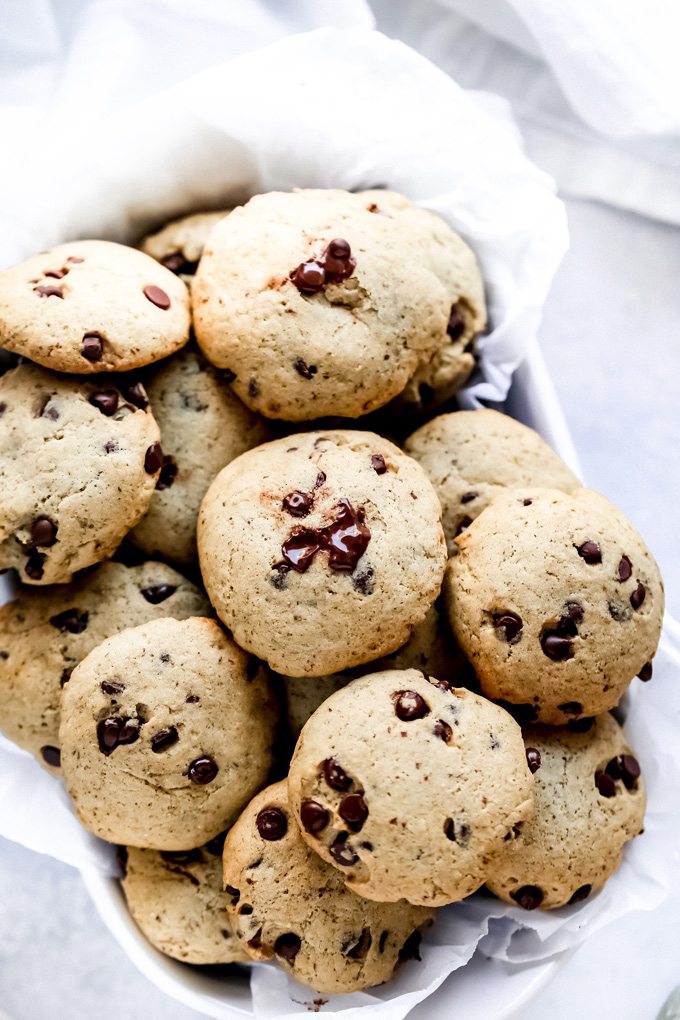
<point x="431" y="649"/>
<point x="409" y="786"/>
<point x="326" y="303"/>
<point x="45" y="633"/>
<point x="286" y="903"/>
<point x="321" y="550"/>
<point x="79" y="459"/>
<point x="179" y="244"/>
<point x="203" y="427"/>
<point x="177" y="901"/>
<point x="93" y="306"/>
<point x="469" y="456"/>
<point x="166" y="733"/>
<point x="589" y="802"/>
<point x="557" y="602"/>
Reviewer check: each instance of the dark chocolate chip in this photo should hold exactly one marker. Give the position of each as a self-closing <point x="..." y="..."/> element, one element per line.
<point x="508" y="627"/>
<point x="356" y="948"/>
<point x="191" y="699"/>
<point x="378" y="463"/>
<point x="49" y="291"/>
<point x="287" y="946"/>
<point x="176" y="262"/>
<point x="51" y="755"/>
<point x="630" y="770"/>
<point x="581" y="894"/>
<point x="366" y="845"/>
<point x="3" y="407"/>
<point x="320" y="479"/>
<point x="336" y="777"/>
<point x="456" y="323"/>
<point x="74" y="258"/>
<point x="92" y="347"/>
<point x="353" y="810"/>
<point x="56" y="274"/>
<point x="43" y="532"/>
<point x="297" y="504"/>
<point x="112" y="687"/>
<point x="164" y="739"/>
<point x="645" y="673"/>
<point x="153" y="460"/>
<point x="443" y="731"/>
<point x="66" y="675"/>
<point x="234" y="893"/>
<point x="303" y="369"/>
<point x="343" y="852"/>
<point x="409" y="705"/>
<point x="373" y="208"/>
<point x="156" y="296"/>
<point x="411" y="948"/>
<point x="182" y="856"/>
<point x="136" y="394"/>
<point x="625" y="568"/>
<point x="527" y="502"/>
<point x="105" y="401"/>
<point x="614" y="768"/>
<point x="345" y="538"/>
<point x="463" y="525"/>
<point x="299" y="549"/>
<point x="529" y="897"/>
<point x="168" y="473"/>
<point x="71" y="620"/>
<point x="573" y="612"/>
<point x="590" y="552"/>
<point x="638" y="596"/>
<point x="364" y="582"/>
<point x="605" y="784"/>
<point x="309" y="277"/>
<point x="556" y="646"/>
<point x="35" y="566"/>
<point x="467" y="497"/>
<point x="571" y="707"/>
<point x="271" y="823"/>
<point x="156" y="593"/>
<point x="313" y="816"/>
<point x="4" y="656"/>
<point x="581" y="725"/>
<point x="443" y="685"/>
<point x="202" y="770"/>
<point x="116" y="730"/>
<point x="533" y="759"/>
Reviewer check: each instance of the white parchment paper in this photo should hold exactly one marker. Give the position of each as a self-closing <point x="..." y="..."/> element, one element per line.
<point x="346" y="109"/>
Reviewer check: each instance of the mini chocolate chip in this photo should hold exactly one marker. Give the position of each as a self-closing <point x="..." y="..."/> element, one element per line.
<point x="573" y="612"/>
<point x="182" y="856"/>
<point x="378" y="463"/>
<point x="456" y="324"/>
<point x="156" y="296"/>
<point x="638" y="596"/>
<point x="303" y="369"/>
<point x="366" y="845"/>
<point x="191" y="699"/>
<point x="467" y="497"/>
<point x="343" y="852"/>
<point x="66" y="675"/>
<point x="271" y="823"/>
<point x="443" y="731"/>
<point x="234" y="893"/>
<point x="105" y="401"/>
<point x="409" y="705"/>
<point x="605" y="784"/>
<point x="153" y="460"/>
<point x="625" y="568"/>
<point x="353" y="810"/>
<point x="156" y="593"/>
<point x="508" y="627"/>
<point x="581" y="894"/>
<point x="51" y="755"/>
<point x="645" y="673"/>
<point x="336" y="777"/>
<point x="527" y="502"/>
<point x="287" y="946"/>
<point x="571" y="707"/>
<point x="168" y="473"/>
<point x="297" y="504"/>
<point x="49" y="291"/>
<point x="202" y="770"/>
<point x="590" y="552"/>
<point x="557" y="646"/>
<point x="313" y="816"/>
<point x="35" y="566"/>
<point x="92" y="348"/>
<point x="533" y="759"/>
<point x="164" y="739"/>
<point x="112" y="687"/>
<point x="43" y="532"/>
<point x="116" y="730"/>
<point x="581" y="725"/>
<point x="463" y="525"/>
<point x="411" y="948"/>
<point x="136" y="394"/>
<point x="529" y="897"/>
<point x="71" y="620"/>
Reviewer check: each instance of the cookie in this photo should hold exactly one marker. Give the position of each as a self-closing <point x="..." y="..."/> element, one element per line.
<point x="79" y="460"/>
<point x="326" y="303"/>
<point x="93" y="306"/>
<point x="179" y="244"/>
<point x="409" y="786"/>
<point x="589" y="802"/>
<point x="321" y="550"/>
<point x="45" y="633"/>
<point x="177" y="901"/>
<point x="286" y="903"/>
<point x="203" y="427"/>
<point x="469" y="456"/>
<point x="431" y="649"/>
<point x="166" y="733"/>
<point x="557" y="602"/>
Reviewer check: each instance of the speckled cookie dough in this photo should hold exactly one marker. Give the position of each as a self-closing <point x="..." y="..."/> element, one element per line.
<point x="322" y="550"/>
<point x="409" y="786"/>
<point x="203" y="427"/>
<point x="93" y="306"/>
<point x="179" y="244"/>
<point x="286" y="903"/>
<point x="326" y="303"/>
<point x="166" y="732"/>
<point x="45" y="632"/>
<point x="79" y="460"/>
<point x="557" y="602"/>
<point x="176" y="899"/>
<point x="469" y="456"/>
<point x="589" y="802"/>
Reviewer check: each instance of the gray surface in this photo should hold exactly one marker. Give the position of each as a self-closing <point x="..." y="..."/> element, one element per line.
<point x="610" y="336"/>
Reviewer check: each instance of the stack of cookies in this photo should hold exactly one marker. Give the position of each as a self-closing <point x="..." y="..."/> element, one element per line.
<point x="314" y="684"/>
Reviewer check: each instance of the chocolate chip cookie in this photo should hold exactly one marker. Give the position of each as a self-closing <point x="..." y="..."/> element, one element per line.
<point x="179" y="244"/>
<point x="92" y="306"/>
<point x="166" y="733"/>
<point x="45" y="632"/>
<point x="326" y="303"/>
<point x="589" y="802"/>
<point x="288" y="904"/>
<point x="203" y="427"/>
<point x="322" y="550"/>
<point x="79" y="460"/>
<point x="409" y="786"/>
<point x="176" y="898"/>
<point x="469" y="456"/>
<point x="557" y="602"/>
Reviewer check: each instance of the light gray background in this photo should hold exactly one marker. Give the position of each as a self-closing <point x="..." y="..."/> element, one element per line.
<point x="610" y="337"/>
